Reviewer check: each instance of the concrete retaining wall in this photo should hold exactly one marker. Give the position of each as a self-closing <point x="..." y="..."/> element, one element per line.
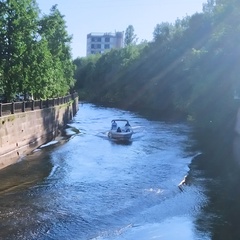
<point x="20" y="133"/>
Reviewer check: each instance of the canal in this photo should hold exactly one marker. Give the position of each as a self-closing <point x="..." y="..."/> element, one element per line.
<point x="87" y="186"/>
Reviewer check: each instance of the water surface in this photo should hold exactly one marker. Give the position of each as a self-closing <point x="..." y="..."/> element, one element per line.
<point x="90" y="187"/>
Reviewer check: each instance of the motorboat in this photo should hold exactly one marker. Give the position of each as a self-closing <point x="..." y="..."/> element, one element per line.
<point x="120" y="130"/>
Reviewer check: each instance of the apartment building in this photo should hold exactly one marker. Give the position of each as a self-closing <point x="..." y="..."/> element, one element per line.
<point x="100" y="42"/>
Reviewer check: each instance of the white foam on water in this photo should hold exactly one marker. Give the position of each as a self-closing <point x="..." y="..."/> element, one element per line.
<point x="174" y="228"/>
<point x="180" y="228"/>
<point x="48" y="144"/>
<point x="69" y="132"/>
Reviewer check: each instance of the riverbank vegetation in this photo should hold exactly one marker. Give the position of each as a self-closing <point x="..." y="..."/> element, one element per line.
<point x="35" y="54"/>
<point x="189" y="70"/>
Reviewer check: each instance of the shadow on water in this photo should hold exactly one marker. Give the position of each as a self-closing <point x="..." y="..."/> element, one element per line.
<point x="117" y="142"/>
<point x="24" y="174"/>
<point x="21" y="194"/>
<point x="218" y="171"/>
<point x="33" y="168"/>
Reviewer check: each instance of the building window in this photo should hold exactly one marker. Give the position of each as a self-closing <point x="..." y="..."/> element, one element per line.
<point x="98" y="45"/>
<point x="96" y="39"/>
<point x="92" y="45"/>
<point x="107" y="39"/>
<point x="106" y="46"/>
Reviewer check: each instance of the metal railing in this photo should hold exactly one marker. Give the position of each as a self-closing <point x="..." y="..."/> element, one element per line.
<point x="25" y="106"/>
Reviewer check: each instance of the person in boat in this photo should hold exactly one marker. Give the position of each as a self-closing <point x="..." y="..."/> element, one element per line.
<point x="127" y="127"/>
<point x="119" y="129"/>
<point x="114" y="125"/>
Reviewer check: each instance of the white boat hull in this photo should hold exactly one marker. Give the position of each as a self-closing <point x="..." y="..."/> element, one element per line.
<point x="123" y="136"/>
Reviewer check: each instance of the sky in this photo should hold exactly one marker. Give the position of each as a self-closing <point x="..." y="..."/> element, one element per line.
<point x="89" y="16"/>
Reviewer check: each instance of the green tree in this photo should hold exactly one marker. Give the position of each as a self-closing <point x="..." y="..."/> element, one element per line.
<point x="40" y="66"/>
<point x="53" y="31"/>
<point x="130" y="36"/>
<point x="211" y="101"/>
<point x="209" y="6"/>
<point x="162" y="31"/>
<point x="18" y="26"/>
<point x="84" y="75"/>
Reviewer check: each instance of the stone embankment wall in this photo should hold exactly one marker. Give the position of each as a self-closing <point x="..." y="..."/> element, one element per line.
<point x="20" y="133"/>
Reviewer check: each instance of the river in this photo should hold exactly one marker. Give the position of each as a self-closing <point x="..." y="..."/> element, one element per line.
<point x="87" y="186"/>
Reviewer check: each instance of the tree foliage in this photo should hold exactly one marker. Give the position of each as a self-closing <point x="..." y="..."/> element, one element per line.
<point x="30" y="62"/>
<point x="53" y="30"/>
<point x="162" y="31"/>
<point x="130" y="36"/>
<point x="190" y="69"/>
